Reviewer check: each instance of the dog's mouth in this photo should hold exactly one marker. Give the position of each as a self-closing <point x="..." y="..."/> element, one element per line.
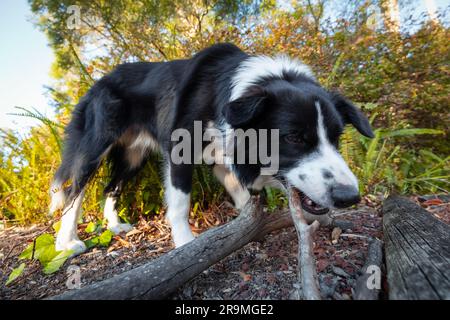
<point x="308" y="204"/>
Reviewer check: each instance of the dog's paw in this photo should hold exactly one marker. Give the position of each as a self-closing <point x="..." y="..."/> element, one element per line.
<point x="181" y="240"/>
<point x="121" y="227"/>
<point x="241" y="200"/>
<point x="75" y="245"/>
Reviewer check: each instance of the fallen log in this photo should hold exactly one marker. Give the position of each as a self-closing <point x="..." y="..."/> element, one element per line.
<point x="160" y="277"/>
<point x="417" y="247"/>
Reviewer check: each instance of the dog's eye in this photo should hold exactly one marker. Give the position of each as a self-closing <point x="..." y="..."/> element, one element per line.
<point x="294" y="138"/>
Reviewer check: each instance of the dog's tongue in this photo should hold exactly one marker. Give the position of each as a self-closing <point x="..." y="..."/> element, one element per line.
<point x="308" y="204"/>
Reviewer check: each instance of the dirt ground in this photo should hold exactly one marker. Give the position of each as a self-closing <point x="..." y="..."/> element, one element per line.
<point x="260" y="270"/>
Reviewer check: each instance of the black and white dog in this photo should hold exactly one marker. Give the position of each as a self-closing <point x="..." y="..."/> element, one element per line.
<point x="135" y="109"/>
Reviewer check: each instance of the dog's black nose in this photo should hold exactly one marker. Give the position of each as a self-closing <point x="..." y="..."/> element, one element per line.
<point x="344" y="195"/>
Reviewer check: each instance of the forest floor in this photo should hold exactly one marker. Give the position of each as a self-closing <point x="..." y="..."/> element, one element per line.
<point x="260" y="270"/>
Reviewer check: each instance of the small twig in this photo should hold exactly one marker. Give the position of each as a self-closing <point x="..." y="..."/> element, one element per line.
<point x="352" y="235"/>
<point x="34" y="249"/>
<point x="10" y="251"/>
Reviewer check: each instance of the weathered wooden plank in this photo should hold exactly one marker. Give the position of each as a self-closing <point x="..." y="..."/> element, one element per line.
<point x="417" y="249"/>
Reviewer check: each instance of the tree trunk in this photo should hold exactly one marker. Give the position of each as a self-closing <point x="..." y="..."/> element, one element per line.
<point x="391" y="15"/>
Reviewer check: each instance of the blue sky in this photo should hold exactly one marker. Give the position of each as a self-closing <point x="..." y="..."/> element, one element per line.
<point x="25" y="61"/>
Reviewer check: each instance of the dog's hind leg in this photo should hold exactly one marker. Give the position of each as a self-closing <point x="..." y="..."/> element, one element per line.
<point x="127" y="158"/>
<point x="112" y="193"/>
<point x="74" y="134"/>
<point x="232" y="185"/>
<point x="112" y="216"/>
<point x="178" y="185"/>
<point x="67" y="238"/>
<point x="87" y="160"/>
<point x="122" y="172"/>
<point x="58" y="193"/>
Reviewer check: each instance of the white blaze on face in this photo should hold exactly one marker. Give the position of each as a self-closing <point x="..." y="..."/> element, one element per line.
<point x="316" y="174"/>
<point x="254" y="69"/>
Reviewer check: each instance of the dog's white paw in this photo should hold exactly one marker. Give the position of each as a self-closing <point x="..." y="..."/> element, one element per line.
<point x="76" y="245"/>
<point x="241" y="200"/>
<point x="120" y="227"/>
<point x="181" y="240"/>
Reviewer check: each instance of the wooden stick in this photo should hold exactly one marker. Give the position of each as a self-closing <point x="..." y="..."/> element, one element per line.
<point x="309" y="288"/>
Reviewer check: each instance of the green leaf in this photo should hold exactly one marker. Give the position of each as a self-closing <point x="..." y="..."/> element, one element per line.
<point x="123" y="215"/>
<point x="56" y="226"/>
<point x="91" y="227"/>
<point x="366" y="105"/>
<point x="105" y="238"/>
<point x="44" y="249"/>
<point x="195" y="208"/>
<point x="46" y="254"/>
<point x="57" y="261"/>
<point x="91" y="242"/>
<point x="15" y="273"/>
<point x="411" y="132"/>
<point x="26" y="254"/>
<point x="150" y="208"/>
<point x="429" y="154"/>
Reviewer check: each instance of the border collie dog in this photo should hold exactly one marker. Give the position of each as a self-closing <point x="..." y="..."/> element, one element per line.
<point x="134" y="110"/>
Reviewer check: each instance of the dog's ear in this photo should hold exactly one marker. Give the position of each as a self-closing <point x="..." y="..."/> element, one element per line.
<point x="352" y="115"/>
<point x="242" y="110"/>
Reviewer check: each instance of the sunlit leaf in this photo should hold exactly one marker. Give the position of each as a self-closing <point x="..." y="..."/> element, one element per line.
<point x="105" y="238"/>
<point x="15" y="273"/>
<point x="44" y="248"/>
<point x="57" y="261"/>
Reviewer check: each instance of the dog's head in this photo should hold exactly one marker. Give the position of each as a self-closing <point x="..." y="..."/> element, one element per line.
<point x="310" y="120"/>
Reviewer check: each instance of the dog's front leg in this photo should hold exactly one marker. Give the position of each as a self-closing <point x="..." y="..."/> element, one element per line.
<point x="238" y="193"/>
<point x="178" y="187"/>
